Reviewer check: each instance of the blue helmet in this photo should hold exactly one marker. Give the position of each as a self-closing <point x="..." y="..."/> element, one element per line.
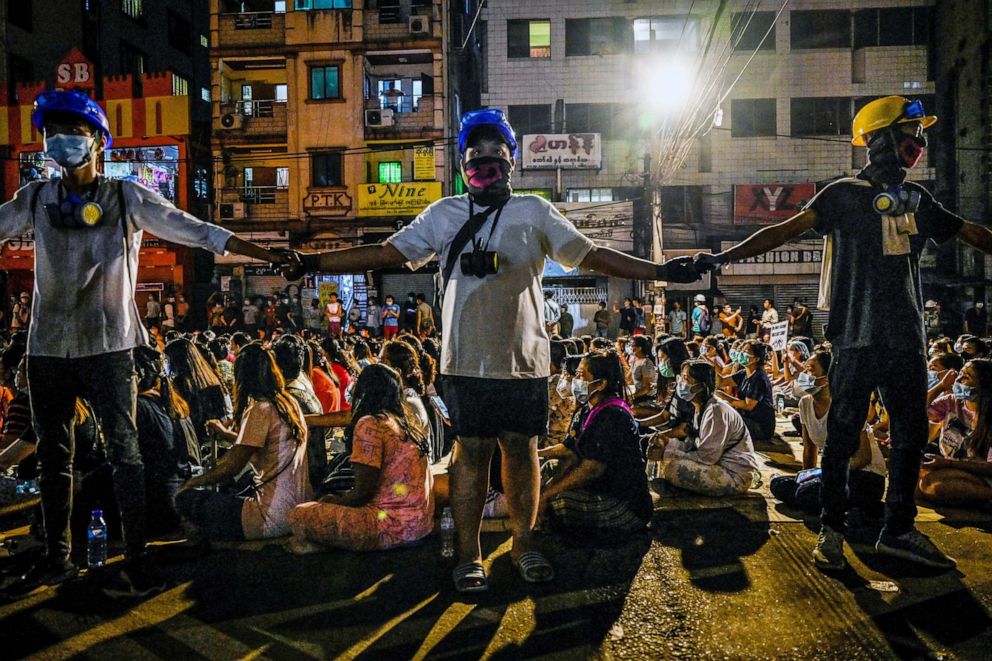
<point x="485" y="117"/>
<point x="70" y="102"/>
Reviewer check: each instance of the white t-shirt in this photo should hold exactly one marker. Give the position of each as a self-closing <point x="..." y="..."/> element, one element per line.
<point x="494" y="326"/>
<point x="281" y="462"/>
<point x="816" y="429"/>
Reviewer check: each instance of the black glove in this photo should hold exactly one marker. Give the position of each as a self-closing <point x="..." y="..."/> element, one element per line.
<point x="297" y="264"/>
<point x="706" y="262"/>
<point x="680" y="269"/>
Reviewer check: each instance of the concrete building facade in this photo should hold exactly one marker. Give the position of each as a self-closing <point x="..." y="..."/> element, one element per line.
<point x="751" y="153"/>
<point x="329" y="122"/>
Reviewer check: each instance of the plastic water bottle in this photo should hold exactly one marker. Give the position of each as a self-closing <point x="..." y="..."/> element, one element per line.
<point x="96" y="541"/>
<point x="447" y="534"/>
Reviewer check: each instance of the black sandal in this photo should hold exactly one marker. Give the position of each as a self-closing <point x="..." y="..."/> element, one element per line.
<point x="470" y="577"/>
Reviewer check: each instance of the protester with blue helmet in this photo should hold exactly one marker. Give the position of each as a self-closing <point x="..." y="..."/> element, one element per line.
<point x="495" y="362"/>
<point x="62" y="110"/>
<point x="84" y="323"/>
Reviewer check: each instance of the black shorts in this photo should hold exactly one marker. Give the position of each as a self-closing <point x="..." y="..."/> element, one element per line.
<point x="484" y="407"/>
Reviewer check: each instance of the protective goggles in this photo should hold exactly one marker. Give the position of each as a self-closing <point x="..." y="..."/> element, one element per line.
<point x="913" y="110"/>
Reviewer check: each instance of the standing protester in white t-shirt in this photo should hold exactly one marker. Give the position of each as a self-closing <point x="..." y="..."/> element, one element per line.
<point x="495" y="348"/>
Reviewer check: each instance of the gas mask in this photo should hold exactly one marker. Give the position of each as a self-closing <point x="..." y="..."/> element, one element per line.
<point x="70" y="151"/>
<point x="891" y="153"/>
<point x="487" y="179"/>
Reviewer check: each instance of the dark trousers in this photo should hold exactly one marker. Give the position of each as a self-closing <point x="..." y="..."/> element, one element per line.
<point x="866" y="491"/>
<point x="108" y="382"/>
<point x="901" y="378"/>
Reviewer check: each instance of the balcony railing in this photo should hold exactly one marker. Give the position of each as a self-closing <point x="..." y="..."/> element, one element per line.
<point x="264" y="117"/>
<point x="252" y="29"/>
<point x="261" y="202"/>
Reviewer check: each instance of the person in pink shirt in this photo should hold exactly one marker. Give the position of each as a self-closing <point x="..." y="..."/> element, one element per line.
<point x="390" y="504"/>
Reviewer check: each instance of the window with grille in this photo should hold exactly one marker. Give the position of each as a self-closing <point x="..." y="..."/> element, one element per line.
<point x="133" y="61"/>
<point x="390" y="172"/>
<point x="180" y="85"/>
<point x="131" y="8"/>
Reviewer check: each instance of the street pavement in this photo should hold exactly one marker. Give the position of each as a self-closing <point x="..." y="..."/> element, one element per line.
<point x="711" y="579"/>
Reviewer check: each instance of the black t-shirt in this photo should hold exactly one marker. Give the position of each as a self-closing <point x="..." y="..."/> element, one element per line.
<point x="758" y="387"/>
<point x="612" y="439"/>
<point x="976" y="321"/>
<point x="163" y="456"/>
<point x="628" y="319"/>
<point x="876" y="299"/>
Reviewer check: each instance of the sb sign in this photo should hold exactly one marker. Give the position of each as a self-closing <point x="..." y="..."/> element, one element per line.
<point x="766" y="204"/>
<point x="397" y="199"/>
<point x="75" y="71"/>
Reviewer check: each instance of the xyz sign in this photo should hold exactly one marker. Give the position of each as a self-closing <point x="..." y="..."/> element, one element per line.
<point x="769" y="203"/>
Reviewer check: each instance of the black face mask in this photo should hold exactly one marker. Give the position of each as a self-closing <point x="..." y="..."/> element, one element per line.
<point x="890" y="154"/>
<point x="487" y="179"/>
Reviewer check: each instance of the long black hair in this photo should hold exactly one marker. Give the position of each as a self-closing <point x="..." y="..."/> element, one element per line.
<point x="981" y="439"/>
<point x="675" y="349"/>
<point x="704" y="374"/>
<point x="150" y="366"/>
<point x="643" y="342"/>
<point x="605" y="364"/>
<point x="379" y="392"/>
<point x="256" y="376"/>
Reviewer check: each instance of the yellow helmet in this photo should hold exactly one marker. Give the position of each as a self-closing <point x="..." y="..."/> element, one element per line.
<point x="887" y="111"/>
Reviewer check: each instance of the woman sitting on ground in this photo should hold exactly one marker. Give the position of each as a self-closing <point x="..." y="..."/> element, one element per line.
<point x="672" y="354"/>
<point x="962" y="473"/>
<point x="754" y="390"/>
<point x="867" y="475"/>
<point x="942" y="372"/>
<point x="198" y="384"/>
<point x="390" y="504"/>
<point x="717" y="457"/>
<point x="600" y="483"/>
<point x="644" y="374"/>
<point x="273" y="439"/>
<point x="165" y="451"/>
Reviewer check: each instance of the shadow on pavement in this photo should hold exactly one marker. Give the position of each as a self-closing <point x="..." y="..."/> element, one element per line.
<point x="712" y="543"/>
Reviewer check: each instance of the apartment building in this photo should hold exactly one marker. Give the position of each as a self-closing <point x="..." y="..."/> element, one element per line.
<point x="620" y="72"/>
<point x="329" y="126"/>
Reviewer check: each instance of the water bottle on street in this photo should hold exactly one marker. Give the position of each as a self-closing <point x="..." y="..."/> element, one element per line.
<point x="447" y="534"/>
<point x="96" y="541"/>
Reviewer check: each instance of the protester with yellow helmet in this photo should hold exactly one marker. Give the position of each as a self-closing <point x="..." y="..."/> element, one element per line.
<point x="875" y="225"/>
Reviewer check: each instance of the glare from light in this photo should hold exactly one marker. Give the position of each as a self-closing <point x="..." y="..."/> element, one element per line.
<point x="667" y="83"/>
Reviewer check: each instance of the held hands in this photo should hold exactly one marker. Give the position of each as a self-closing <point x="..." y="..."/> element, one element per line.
<point x="706" y="262"/>
<point x="295" y="264"/>
<point x="680" y="269"/>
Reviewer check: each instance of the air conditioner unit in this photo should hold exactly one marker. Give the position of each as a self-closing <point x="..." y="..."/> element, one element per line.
<point x="382" y="117"/>
<point x="231" y="120"/>
<point x="233" y="211"/>
<point x="420" y="25"/>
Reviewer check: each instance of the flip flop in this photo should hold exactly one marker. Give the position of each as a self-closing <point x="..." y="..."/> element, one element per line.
<point x="470" y="577"/>
<point x="534" y="567"/>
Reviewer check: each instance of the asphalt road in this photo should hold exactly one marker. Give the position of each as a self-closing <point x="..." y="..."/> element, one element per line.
<point x="728" y="579"/>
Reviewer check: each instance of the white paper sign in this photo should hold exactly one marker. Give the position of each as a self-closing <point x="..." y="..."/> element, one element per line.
<point x="779" y="335"/>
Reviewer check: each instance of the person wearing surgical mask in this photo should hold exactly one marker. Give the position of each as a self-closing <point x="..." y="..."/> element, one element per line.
<point x="561" y="403"/>
<point x="960" y="473"/>
<point x="942" y="371"/>
<point x="717" y="456"/>
<point x="969" y="347"/>
<point x="754" y="390"/>
<point x="600" y="484"/>
<point x="675" y="413"/>
<point x="867" y="477"/>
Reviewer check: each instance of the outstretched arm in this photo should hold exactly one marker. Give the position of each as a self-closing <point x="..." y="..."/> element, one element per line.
<point x="976" y="236"/>
<point x="346" y="260"/>
<point x="768" y="238"/>
<point x="621" y="265"/>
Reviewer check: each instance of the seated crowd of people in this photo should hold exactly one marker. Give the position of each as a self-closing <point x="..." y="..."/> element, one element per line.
<point x="330" y="441"/>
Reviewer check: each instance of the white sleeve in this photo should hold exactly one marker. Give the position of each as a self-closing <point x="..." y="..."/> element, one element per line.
<point x="15" y="214"/>
<point x="563" y="242"/>
<point x="152" y="212"/>
<point x="417" y="241"/>
<point x="713" y="432"/>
